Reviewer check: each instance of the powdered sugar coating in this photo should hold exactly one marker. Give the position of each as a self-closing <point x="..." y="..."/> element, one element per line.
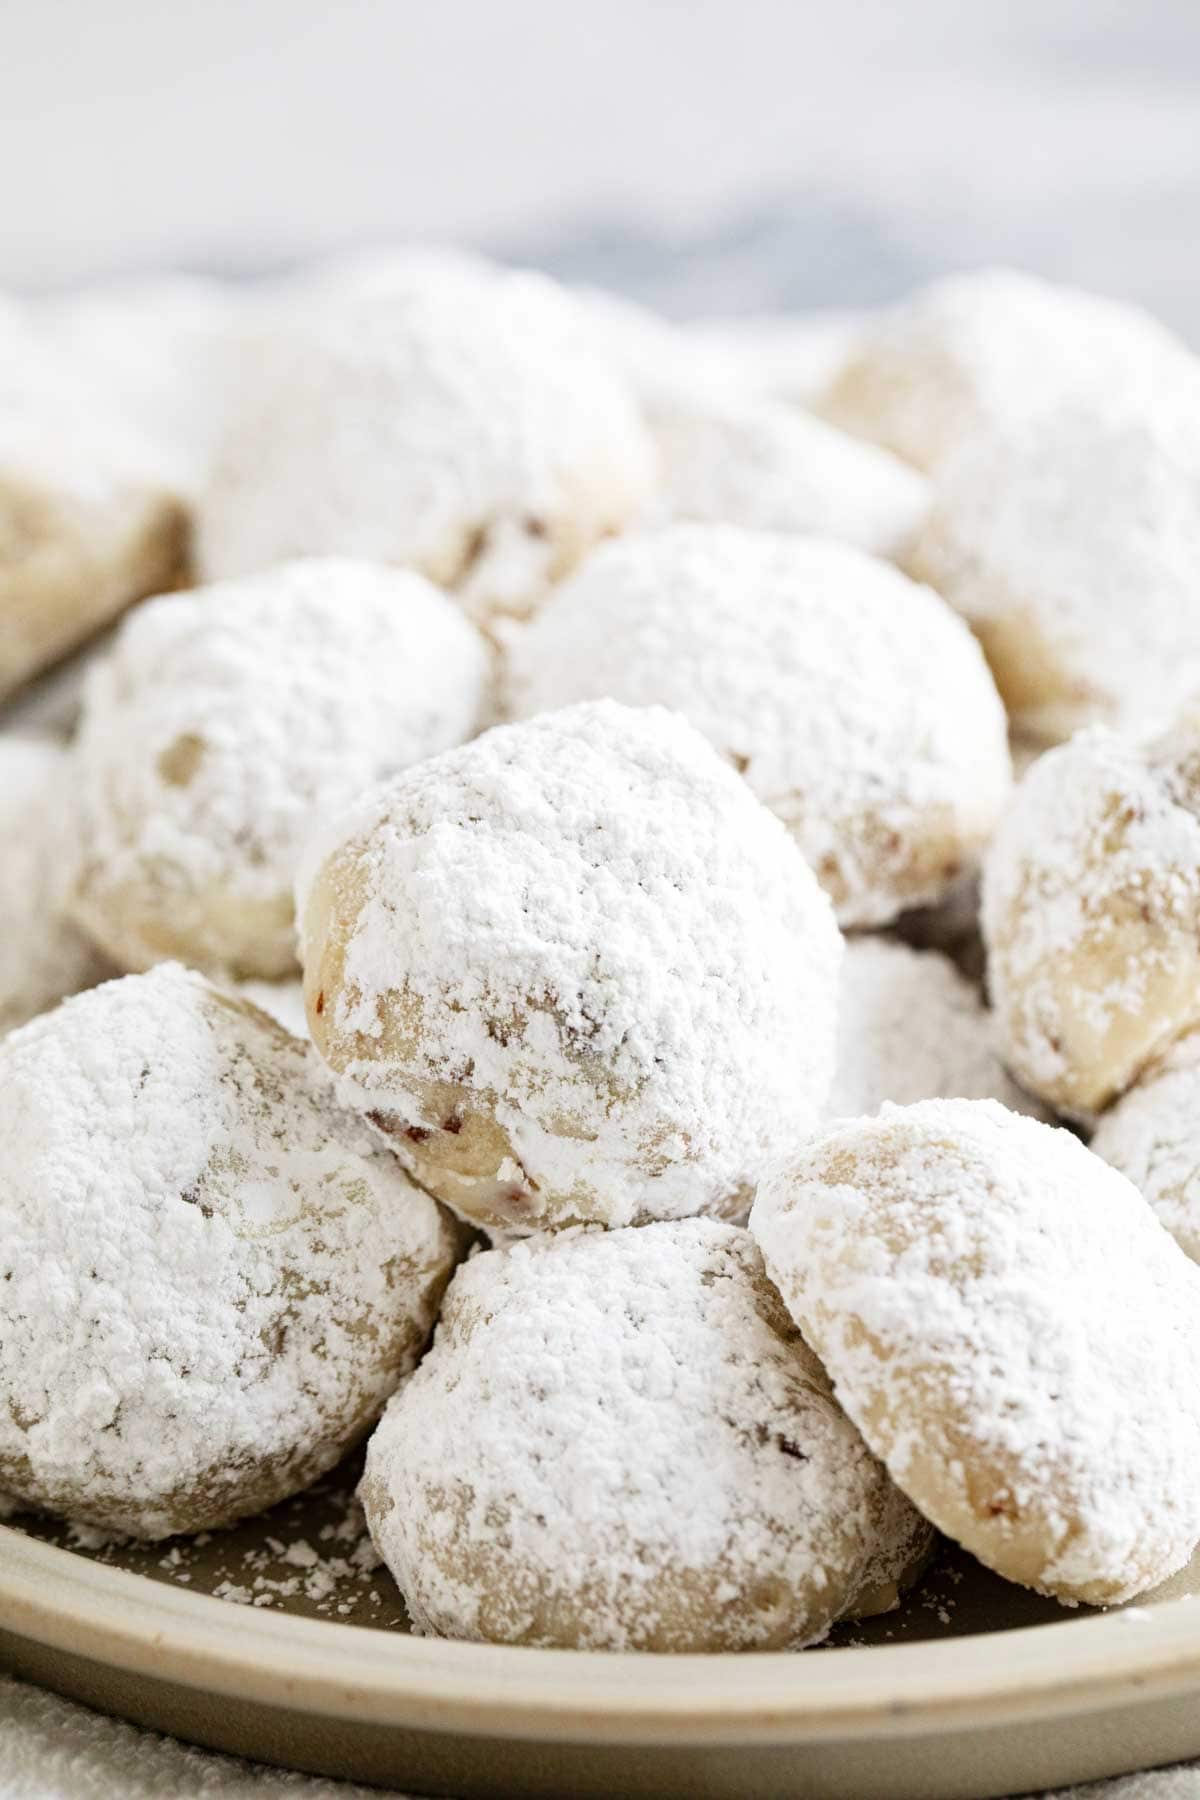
<point x="42" y="955"/>
<point x="210" y="1279"/>
<point x="434" y="419"/>
<point x="951" y="927"/>
<point x="378" y="268"/>
<point x="619" y="1441"/>
<point x="161" y="355"/>
<point x="1091" y="914"/>
<point x="910" y="1027"/>
<point x="226" y="720"/>
<point x="857" y="707"/>
<point x="1152" y="1135"/>
<point x="982" y="350"/>
<point x="792" y="357"/>
<point x="774" y="468"/>
<point x="1011" y="1330"/>
<point x="577" y="970"/>
<point x="1071" y="544"/>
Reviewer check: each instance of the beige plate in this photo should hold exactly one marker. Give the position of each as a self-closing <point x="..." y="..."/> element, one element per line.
<point x="974" y="1688"/>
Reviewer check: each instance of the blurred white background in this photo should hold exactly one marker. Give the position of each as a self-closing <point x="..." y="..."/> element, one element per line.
<point x="710" y="154"/>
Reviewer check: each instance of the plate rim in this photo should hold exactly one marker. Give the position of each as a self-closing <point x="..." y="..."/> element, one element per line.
<point x="68" y="1602"/>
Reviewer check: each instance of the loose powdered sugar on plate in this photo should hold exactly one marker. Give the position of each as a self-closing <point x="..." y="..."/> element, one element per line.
<point x="663" y="364"/>
<point x="226" y="721"/>
<point x="910" y="1027"/>
<point x="42" y="955"/>
<point x="579" y="970"/>
<point x="1013" y="1332"/>
<point x="212" y="1278"/>
<point x="310" y="1555"/>
<point x="855" y="704"/>
<point x="619" y="1441"/>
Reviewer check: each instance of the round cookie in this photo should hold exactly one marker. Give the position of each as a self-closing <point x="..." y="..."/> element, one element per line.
<point x="162" y="355"/>
<point x="88" y="524"/>
<point x="855" y="704"/>
<point x="435" y="420"/>
<point x="1152" y="1135"/>
<point x="976" y="351"/>
<point x="1011" y="1330"/>
<point x="1070" y="544"/>
<point x="42" y="955"/>
<point x="910" y="1027"/>
<point x="576" y="970"/>
<point x="226" y="721"/>
<point x="731" y="453"/>
<point x="773" y="468"/>
<point x="50" y="705"/>
<point x="619" y="1441"/>
<point x="379" y="269"/>
<point x="210" y="1279"/>
<point x="1091" y="914"/>
<point x="662" y="364"/>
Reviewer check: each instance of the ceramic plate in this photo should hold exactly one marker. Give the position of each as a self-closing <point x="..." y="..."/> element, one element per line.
<point x="279" y="1641"/>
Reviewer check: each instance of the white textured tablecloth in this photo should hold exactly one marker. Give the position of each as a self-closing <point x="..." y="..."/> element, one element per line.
<point x="51" y="1749"/>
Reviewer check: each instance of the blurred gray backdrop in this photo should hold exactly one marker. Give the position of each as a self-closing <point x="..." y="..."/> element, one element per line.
<point x="711" y="155"/>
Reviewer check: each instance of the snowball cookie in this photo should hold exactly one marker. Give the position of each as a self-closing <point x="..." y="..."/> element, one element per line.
<point x="1152" y="1135"/>
<point x="577" y="970"/>
<point x="1070" y="544"/>
<point x="661" y="362"/>
<point x="87" y="525"/>
<point x="210" y="1278"/>
<point x="857" y="707"/>
<point x="1011" y="1330"/>
<point x="910" y="1027"/>
<point x="790" y="356"/>
<point x="774" y="468"/>
<point x="42" y="955"/>
<point x="162" y="354"/>
<point x="226" y="721"/>
<point x="1091" y="914"/>
<point x="436" y="421"/>
<point x="620" y="1441"/>
<point x="651" y="355"/>
<point x="976" y="350"/>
